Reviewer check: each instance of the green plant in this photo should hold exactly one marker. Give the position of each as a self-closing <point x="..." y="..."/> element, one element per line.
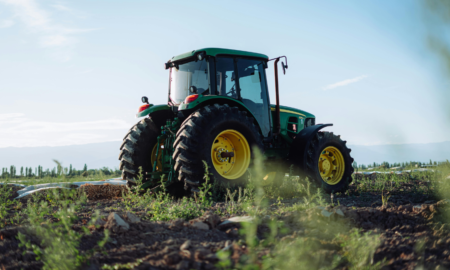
<point x="58" y="242"/>
<point x="359" y="249"/>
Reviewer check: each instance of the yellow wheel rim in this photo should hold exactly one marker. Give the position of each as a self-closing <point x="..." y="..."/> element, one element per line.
<point x="331" y="165"/>
<point x="157" y="158"/>
<point x="228" y="166"/>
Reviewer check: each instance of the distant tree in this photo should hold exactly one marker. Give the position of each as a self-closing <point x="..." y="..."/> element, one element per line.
<point x="85" y="168"/>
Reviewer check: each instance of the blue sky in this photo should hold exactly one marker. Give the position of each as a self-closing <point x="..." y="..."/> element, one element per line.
<point x="73" y="72"/>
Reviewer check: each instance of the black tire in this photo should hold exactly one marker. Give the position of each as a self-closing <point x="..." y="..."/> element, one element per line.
<point x="136" y="149"/>
<point x="196" y="136"/>
<point x="309" y="167"/>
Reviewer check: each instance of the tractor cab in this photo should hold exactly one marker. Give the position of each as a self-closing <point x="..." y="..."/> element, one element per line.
<point x="227" y="73"/>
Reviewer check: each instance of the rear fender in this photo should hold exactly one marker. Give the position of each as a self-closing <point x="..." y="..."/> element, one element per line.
<point x="158" y="113"/>
<point x="202" y="101"/>
<point x="301" y="142"/>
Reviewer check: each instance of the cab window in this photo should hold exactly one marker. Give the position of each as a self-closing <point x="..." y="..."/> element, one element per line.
<point x="253" y="92"/>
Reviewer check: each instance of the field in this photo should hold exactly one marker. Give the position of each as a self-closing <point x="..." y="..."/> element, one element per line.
<point x="388" y="222"/>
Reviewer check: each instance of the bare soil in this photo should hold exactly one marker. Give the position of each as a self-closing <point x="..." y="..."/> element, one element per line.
<point x="412" y="229"/>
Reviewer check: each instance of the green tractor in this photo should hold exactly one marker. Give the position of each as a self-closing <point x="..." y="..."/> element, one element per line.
<point x="218" y="111"/>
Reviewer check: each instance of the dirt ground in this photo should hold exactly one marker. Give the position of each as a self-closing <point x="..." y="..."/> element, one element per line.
<point x="411" y="230"/>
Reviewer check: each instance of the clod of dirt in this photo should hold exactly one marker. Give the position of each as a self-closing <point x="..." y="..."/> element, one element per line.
<point x="98" y="221"/>
<point x="105" y="191"/>
<point x="116" y="224"/>
<point x="211" y="219"/>
<point x="132" y="218"/>
<point x="185" y="245"/>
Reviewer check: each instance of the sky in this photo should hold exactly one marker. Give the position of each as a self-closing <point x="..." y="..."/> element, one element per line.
<point x="74" y="72"/>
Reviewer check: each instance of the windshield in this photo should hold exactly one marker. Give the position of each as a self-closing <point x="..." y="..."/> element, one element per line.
<point x="187" y="75"/>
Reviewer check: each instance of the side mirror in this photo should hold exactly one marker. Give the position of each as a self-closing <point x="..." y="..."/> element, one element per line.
<point x="193" y="89"/>
<point x="144" y="99"/>
<point x="284" y="67"/>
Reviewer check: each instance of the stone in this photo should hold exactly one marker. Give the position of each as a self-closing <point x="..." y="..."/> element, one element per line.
<point x="211" y="219"/>
<point x="132" y="218"/>
<point x="98" y="221"/>
<point x="172" y="258"/>
<point x="239" y="219"/>
<point x="177" y="223"/>
<point x="186" y="245"/>
<point x="201" y="226"/>
<point x="116" y="224"/>
<point x="200" y="254"/>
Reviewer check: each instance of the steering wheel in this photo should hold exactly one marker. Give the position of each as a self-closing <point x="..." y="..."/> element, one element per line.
<point x="232" y="91"/>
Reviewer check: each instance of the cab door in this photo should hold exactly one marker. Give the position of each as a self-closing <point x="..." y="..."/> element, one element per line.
<point x="252" y="90"/>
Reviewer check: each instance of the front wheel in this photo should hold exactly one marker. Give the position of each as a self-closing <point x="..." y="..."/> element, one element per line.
<point x="328" y="162"/>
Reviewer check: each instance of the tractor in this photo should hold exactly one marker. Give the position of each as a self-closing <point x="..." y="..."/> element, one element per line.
<point x="218" y="112"/>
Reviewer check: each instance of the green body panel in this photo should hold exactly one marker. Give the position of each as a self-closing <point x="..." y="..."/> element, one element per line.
<point x="217" y="51"/>
<point x="205" y="100"/>
<point x="287" y="116"/>
<point x="152" y="109"/>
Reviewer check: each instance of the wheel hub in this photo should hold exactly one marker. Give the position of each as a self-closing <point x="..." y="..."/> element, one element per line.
<point x="230" y="154"/>
<point x="331" y="165"/>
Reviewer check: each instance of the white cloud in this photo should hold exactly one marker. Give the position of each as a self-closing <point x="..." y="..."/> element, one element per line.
<point x="61" y="7"/>
<point x="55" y="40"/>
<point x="86" y="71"/>
<point x="51" y="34"/>
<point x="16" y="130"/>
<point x="345" y="82"/>
<point x="6" y="23"/>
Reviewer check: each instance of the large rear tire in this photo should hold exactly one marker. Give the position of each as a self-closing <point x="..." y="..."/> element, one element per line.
<point x="328" y="162"/>
<point x="209" y="133"/>
<point x="136" y="149"/>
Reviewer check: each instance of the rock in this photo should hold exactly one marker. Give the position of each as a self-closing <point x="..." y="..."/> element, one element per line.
<point x="237" y="220"/>
<point x="211" y="219"/>
<point x="132" y="218"/>
<point x="177" y="223"/>
<point x="201" y="254"/>
<point x="172" y="258"/>
<point x="98" y="221"/>
<point x="432" y="208"/>
<point x="201" y="226"/>
<point x="232" y="232"/>
<point x="186" y="253"/>
<point x="186" y="245"/>
<point x="116" y="224"/>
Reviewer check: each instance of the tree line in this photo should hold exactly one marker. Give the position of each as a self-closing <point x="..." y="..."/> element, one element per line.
<point x="410" y="164"/>
<point x="58" y="171"/>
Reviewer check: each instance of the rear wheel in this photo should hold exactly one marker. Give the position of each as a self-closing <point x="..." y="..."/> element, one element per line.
<point x="328" y="162"/>
<point x="136" y="149"/>
<point x="221" y="135"/>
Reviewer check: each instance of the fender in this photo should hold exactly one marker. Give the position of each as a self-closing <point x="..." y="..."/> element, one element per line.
<point x="202" y="101"/>
<point x="158" y="113"/>
<point x="301" y="143"/>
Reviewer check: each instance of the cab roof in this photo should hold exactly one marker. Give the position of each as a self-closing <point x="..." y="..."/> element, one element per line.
<point x="218" y="51"/>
